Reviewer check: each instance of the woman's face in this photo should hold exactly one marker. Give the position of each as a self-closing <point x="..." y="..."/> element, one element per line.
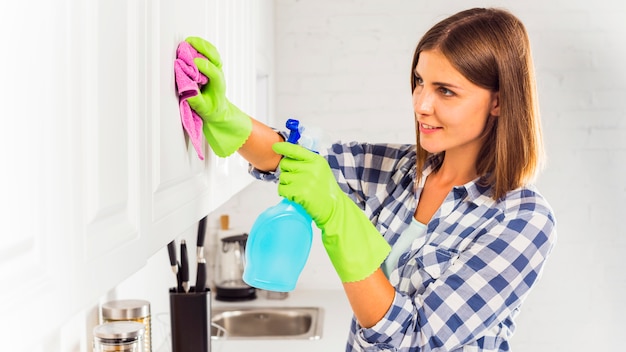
<point x="451" y="111"/>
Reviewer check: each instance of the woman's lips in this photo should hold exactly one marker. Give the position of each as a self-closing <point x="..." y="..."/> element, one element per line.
<point x="427" y="129"/>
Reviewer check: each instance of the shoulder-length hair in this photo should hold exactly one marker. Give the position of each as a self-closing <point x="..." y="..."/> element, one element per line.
<point x="490" y="47"/>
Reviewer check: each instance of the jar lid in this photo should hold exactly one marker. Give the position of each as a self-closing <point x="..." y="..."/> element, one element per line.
<point x="119" y="330"/>
<point x="125" y="309"/>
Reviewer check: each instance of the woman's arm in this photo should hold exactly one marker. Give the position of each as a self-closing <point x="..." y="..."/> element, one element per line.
<point x="370" y="298"/>
<point x="257" y="149"/>
<point x="465" y="295"/>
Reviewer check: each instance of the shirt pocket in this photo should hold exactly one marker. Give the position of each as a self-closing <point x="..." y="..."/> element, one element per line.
<point x="436" y="260"/>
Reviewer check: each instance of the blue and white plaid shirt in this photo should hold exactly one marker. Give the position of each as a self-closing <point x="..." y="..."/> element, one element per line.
<point x="459" y="287"/>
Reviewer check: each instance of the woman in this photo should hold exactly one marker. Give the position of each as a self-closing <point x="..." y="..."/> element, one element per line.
<point x="437" y="244"/>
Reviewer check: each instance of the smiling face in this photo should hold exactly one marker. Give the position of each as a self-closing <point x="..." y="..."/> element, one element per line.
<point x="451" y="111"/>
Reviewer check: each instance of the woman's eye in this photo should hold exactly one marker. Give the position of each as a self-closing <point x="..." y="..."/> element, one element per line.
<point x="445" y="91"/>
<point x="419" y="81"/>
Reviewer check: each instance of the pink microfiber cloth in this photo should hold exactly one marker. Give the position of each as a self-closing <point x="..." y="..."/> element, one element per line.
<point x="188" y="82"/>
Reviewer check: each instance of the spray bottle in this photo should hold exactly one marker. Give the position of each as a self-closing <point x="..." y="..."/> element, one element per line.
<point x="280" y="239"/>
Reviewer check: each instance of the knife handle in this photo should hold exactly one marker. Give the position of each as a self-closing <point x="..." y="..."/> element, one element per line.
<point x="201" y="275"/>
<point x="171" y="252"/>
<point x="201" y="232"/>
<point x="184" y="265"/>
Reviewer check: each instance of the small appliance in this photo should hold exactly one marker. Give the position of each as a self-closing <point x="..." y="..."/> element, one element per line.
<point x="229" y="284"/>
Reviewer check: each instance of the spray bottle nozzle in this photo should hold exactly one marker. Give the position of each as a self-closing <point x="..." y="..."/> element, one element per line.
<point x="293" y="126"/>
<point x="297" y="135"/>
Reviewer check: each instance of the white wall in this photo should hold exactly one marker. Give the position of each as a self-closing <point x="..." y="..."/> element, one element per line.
<point x="344" y="66"/>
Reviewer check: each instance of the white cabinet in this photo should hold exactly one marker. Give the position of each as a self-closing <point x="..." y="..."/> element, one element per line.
<point x="108" y="120"/>
<point x="177" y="191"/>
<point x="183" y="188"/>
<point x="36" y="253"/>
<point x="100" y="174"/>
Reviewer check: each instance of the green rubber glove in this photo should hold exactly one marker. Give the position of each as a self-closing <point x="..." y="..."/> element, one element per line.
<point x="353" y="244"/>
<point x="225" y="127"/>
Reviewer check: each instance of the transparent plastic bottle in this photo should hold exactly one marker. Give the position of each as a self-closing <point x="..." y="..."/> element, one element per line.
<point x="279" y="241"/>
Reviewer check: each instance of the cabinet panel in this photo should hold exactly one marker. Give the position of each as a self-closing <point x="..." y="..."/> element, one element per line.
<point x="178" y="185"/>
<point x="108" y="122"/>
<point x="107" y="45"/>
<point x="33" y="189"/>
<point x="184" y="188"/>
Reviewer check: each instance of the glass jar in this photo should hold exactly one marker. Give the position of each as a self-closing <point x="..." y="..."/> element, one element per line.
<point x="135" y="310"/>
<point x="119" y="336"/>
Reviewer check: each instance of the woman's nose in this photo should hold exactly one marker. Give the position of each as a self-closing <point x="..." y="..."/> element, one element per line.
<point x="422" y="101"/>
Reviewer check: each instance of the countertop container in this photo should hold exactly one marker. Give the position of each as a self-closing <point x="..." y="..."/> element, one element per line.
<point x="121" y="336"/>
<point x="135" y="310"/>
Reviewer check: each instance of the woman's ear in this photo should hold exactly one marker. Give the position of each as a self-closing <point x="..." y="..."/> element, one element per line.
<point x="495" y="104"/>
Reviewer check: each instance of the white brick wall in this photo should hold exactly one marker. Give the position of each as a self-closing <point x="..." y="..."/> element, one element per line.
<point x="343" y="65"/>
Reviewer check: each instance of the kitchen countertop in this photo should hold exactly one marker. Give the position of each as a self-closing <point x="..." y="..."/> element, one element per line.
<point x="336" y="323"/>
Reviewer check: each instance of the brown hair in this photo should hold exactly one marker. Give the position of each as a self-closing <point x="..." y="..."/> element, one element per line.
<point x="490" y="47"/>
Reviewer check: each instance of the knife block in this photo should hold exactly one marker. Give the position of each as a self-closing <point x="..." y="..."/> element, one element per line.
<point x="190" y="319"/>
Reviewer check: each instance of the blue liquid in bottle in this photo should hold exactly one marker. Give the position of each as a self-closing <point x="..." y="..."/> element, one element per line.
<point x="279" y="242"/>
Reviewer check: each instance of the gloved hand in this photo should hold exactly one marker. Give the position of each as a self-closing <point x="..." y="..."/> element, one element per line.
<point x="353" y="244"/>
<point x="225" y="127"/>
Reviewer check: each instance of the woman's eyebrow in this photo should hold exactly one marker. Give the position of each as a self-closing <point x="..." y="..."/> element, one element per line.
<point x="440" y="84"/>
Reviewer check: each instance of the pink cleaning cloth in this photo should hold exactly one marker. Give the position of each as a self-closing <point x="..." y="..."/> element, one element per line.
<point x="188" y="82"/>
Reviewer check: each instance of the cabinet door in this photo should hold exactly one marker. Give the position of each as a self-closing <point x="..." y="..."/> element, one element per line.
<point x="178" y="184"/>
<point x="108" y="116"/>
<point x="183" y="188"/>
<point x="34" y="190"/>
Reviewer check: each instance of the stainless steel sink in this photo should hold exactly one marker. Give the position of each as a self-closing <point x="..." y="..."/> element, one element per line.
<point x="303" y="323"/>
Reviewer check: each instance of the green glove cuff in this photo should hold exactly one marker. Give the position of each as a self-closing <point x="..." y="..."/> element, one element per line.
<point x="353" y="244"/>
<point x="227" y="134"/>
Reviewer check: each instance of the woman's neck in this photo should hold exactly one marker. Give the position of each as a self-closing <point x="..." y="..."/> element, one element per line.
<point x="457" y="169"/>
